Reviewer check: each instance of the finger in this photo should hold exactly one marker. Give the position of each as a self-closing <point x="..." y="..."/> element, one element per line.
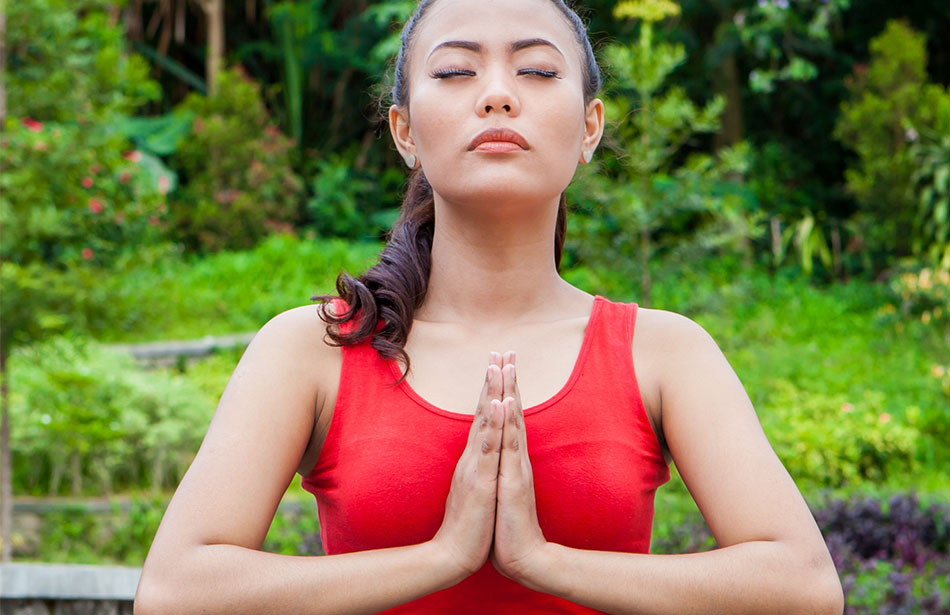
<point x="481" y="420"/>
<point x="496" y="386"/>
<point x="510" y="463"/>
<point x="510" y="383"/>
<point x="490" y="442"/>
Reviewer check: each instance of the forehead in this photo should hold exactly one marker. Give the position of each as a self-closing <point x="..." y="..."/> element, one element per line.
<point x="494" y="24"/>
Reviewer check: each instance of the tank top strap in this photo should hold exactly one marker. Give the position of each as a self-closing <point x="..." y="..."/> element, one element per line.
<point x="340" y="306"/>
<point x="612" y="330"/>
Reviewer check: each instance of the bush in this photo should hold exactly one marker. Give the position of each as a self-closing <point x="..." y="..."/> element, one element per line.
<point x="891" y="104"/>
<point x="238" y="184"/>
<point x="891" y="559"/>
<point x="827" y="440"/>
<point x="86" y="419"/>
<point x="228" y="292"/>
<point x="71" y="203"/>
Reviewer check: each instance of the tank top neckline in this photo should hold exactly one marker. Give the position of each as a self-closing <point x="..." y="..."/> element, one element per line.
<point x="586" y="343"/>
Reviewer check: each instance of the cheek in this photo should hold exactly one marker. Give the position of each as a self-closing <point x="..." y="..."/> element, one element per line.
<point x="435" y="124"/>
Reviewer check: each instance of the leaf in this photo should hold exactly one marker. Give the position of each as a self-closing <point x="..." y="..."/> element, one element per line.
<point x="172" y="66"/>
<point x="159" y="135"/>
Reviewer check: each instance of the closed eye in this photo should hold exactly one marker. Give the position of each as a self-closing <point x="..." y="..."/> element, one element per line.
<point x="452" y="72"/>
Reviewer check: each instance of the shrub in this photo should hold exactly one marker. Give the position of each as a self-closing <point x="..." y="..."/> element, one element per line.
<point x="71" y="203"/>
<point x="891" y="103"/>
<point x="891" y="559"/>
<point x="86" y="419"/>
<point x="831" y="440"/>
<point x="238" y="184"/>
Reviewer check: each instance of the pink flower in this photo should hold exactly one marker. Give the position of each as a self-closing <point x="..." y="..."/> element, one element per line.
<point x="163" y="184"/>
<point x="87" y="253"/>
<point x="94" y="169"/>
<point x="133" y="156"/>
<point x="32" y="124"/>
<point x="124" y="177"/>
<point x="95" y="205"/>
<point x="87" y="182"/>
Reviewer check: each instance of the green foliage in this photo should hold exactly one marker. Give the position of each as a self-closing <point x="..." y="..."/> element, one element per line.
<point x="782" y="38"/>
<point x="86" y="419"/>
<point x="67" y="63"/>
<point x="295" y="530"/>
<point x="808" y="238"/>
<point x="227" y="292"/>
<point x="931" y="181"/>
<point x="923" y="294"/>
<point x="653" y="121"/>
<point x="891" y="102"/>
<point x="826" y="440"/>
<point x="74" y="198"/>
<point x="239" y="185"/>
<point x="346" y="198"/>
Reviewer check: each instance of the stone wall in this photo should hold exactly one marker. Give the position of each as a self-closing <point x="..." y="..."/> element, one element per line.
<point x="67" y="589"/>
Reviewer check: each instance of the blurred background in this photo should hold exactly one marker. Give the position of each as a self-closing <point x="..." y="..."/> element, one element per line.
<point x="180" y="171"/>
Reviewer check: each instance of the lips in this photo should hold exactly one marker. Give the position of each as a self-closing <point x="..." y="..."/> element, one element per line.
<point x="498" y="134"/>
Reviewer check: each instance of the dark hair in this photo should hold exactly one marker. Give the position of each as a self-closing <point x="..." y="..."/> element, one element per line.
<point x="396" y="286"/>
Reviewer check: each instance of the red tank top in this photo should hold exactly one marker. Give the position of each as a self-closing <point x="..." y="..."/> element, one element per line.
<point x="384" y="471"/>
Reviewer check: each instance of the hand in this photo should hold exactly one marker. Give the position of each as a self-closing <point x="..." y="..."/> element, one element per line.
<point x="466" y="531"/>
<point x="519" y="542"/>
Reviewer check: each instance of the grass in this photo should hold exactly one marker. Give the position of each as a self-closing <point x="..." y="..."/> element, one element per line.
<point x="229" y="292"/>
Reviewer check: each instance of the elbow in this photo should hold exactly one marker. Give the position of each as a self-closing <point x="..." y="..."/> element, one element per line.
<point x="831" y="600"/>
<point x="156" y="594"/>
<point x="826" y="597"/>
<point x="149" y="597"/>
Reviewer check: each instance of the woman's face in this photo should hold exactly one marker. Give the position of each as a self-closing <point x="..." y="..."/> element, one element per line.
<point x="535" y="90"/>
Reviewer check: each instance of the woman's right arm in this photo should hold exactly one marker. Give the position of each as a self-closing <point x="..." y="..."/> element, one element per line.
<point x="205" y="557"/>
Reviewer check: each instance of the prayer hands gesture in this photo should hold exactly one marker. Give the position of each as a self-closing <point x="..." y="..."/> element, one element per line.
<point x="492" y="490"/>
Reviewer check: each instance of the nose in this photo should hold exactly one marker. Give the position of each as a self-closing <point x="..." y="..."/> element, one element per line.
<point x="498" y="95"/>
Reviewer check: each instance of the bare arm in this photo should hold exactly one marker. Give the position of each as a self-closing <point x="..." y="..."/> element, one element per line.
<point x="205" y="557"/>
<point x="772" y="557"/>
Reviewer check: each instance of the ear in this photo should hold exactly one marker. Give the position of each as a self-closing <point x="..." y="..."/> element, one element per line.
<point x="593" y="127"/>
<point x="399" y="128"/>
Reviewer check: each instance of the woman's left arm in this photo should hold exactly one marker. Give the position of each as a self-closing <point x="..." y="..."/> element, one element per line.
<point x="771" y="556"/>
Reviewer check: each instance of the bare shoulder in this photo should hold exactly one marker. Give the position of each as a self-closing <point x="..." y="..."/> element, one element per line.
<point x="263" y="425"/>
<point x="663" y="344"/>
<point x="670" y="331"/>
<point x="306" y="329"/>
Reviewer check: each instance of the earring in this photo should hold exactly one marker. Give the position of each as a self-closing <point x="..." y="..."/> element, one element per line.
<point x="411" y="161"/>
<point x="588" y="156"/>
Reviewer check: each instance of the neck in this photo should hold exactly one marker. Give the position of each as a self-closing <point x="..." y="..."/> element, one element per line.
<point x="487" y="268"/>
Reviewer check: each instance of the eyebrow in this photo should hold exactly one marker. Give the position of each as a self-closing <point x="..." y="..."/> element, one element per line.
<point x="512" y="47"/>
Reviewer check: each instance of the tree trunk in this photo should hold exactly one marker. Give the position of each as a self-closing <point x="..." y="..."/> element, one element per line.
<point x="3" y="63"/>
<point x="6" y="466"/>
<point x="214" y="60"/>
<point x="730" y="131"/>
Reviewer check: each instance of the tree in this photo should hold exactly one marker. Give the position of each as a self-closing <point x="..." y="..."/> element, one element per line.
<point x="74" y="197"/>
<point x="892" y="104"/>
<point x="654" y="121"/>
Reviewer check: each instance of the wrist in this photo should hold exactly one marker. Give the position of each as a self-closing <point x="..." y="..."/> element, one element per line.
<point x="445" y="563"/>
<point x="538" y="571"/>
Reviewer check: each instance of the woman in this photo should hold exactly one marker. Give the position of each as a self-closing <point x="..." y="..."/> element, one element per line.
<point x="468" y="487"/>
